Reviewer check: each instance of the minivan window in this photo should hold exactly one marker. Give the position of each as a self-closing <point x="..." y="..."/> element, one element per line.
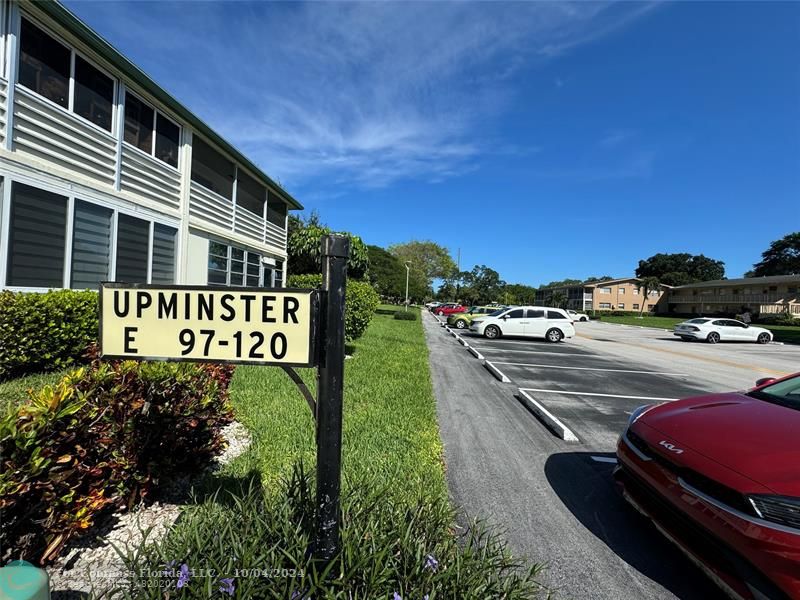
<point x="515" y="314"/>
<point x="534" y="313"/>
<point x="552" y="314"/>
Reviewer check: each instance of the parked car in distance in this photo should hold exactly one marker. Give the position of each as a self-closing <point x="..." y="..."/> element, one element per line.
<point x="714" y="330"/>
<point x="462" y="320"/>
<point x="449" y="309"/>
<point x="718" y="476"/>
<point x="552" y="324"/>
<point x="576" y="316"/>
<point x="432" y="305"/>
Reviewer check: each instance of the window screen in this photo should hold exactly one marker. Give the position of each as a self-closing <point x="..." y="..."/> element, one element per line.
<point x="253" y="269"/>
<point x="94" y="94"/>
<point x="250" y="194"/>
<point x="44" y="64"/>
<point x="210" y="169"/>
<point x="133" y="237"/>
<point x="91" y="245"/>
<point x="138" y="123"/>
<point x="278" y="273"/>
<point x="217" y="263"/>
<point x="167" y="140"/>
<point x="237" y="266"/>
<point x="37" y="232"/>
<point x="276" y="213"/>
<point x="163" y="254"/>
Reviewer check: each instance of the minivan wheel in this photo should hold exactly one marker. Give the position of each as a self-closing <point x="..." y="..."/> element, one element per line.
<point x="461" y="324"/>
<point x="554" y="335"/>
<point x="492" y="332"/>
<point x="713" y="337"/>
<point x="763" y="338"/>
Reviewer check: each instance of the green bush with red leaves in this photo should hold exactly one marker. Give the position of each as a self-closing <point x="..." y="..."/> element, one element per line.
<point x="104" y="437"/>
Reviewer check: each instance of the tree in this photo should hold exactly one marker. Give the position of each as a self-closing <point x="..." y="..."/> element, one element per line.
<point x="781" y="258"/>
<point x="563" y="283"/>
<point x="428" y="260"/>
<point x="598" y="279"/>
<point x="517" y="293"/>
<point x="481" y="285"/>
<point x="303" y="249"/>
<point x="680" y="269"/>
<point x="386" y="273"/>
<point x="557" y="299"/>
<point x="647" y="285"/>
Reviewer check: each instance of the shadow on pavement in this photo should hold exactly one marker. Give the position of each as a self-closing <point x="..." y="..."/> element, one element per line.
<point x="587" y="489"/>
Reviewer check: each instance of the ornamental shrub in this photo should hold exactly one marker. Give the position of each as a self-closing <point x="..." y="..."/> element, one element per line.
<point x="104" y="437"/>
<point x="402" y="315"/>
<point x="360" y="303"/>
<point x="45" y="332"/>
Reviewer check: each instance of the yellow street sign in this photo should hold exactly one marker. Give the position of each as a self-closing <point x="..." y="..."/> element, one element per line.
<point x="208" y="324"/>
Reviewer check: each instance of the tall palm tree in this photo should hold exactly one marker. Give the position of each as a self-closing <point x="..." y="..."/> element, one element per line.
<point x="647" y="285"/>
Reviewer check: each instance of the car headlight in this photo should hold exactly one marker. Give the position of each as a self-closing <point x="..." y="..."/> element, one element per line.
<point x="639" y="412"/>
<point x="782" y="510"/>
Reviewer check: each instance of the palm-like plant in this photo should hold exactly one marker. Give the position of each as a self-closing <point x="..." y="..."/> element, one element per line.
<point x="557" y="300"/>
<point x="647" y="285"/>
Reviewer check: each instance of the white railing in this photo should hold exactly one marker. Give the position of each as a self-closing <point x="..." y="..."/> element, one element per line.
<point x="274" y="235"/>
<point x="248" y="224"/>
<point x="49" y="133"/>
<point x="3" y="103"/>
<point x="210" y="206"/>
<point x="148" y="177"/>
<point x="729" y="298"/>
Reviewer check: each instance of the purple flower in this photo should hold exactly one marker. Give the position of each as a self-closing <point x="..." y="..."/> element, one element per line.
<point x="431" y="563"/>
<point x="296" y="595"/>
<point x="227" y="586"/>
<point x="397" y="596"/>
<point x="425" y="597"/>
<point x="183" y="576"/>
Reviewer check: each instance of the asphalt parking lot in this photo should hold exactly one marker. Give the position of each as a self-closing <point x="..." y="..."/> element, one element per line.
<point x="554" y="498"/>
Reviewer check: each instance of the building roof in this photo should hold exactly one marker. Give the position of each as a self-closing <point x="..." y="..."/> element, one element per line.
<point x="72" y="23"/>
<point x="613" y="281"/>
<point x="772" y="280"/>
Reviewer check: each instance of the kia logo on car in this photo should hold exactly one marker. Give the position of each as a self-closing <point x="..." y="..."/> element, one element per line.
<point x="670" y="447"/>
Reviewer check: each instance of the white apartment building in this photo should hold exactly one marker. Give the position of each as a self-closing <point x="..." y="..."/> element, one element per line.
<point x="105" y="177"/>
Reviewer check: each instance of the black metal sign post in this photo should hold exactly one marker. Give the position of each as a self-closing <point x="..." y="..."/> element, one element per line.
<point x="335" y="252"/>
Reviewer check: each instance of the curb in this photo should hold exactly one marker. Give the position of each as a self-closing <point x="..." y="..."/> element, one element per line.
<point x="548" y="418"/>
<point x="475" y="353"/>
<point x="462" y="341"/>
<point x="496" y="372"/>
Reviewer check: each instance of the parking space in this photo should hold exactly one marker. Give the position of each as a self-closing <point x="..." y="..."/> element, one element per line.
<point x="592" y="382"/>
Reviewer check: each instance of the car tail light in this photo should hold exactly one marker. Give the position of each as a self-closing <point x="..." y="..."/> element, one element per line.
<point x="693" y="328"/>
<point x="778" y="509"/>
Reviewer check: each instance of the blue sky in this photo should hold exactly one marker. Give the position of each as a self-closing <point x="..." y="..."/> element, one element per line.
<point x="546" y="140"/>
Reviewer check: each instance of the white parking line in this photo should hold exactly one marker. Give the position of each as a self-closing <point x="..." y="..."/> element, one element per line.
<point x="490" y="349"/>
<point x="590" y="369"/>
<point x="540" y="391"/>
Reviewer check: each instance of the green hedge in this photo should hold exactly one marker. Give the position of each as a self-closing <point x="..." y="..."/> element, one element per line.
<point x="361" y="302"/>
<point x="402" y="315"/>
<point x="45" y="332"/>
<point x="105" y="436"/>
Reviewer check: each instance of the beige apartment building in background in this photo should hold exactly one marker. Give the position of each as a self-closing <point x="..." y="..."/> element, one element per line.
<point x="759" y="295"/>
<point x="614" y="294"/>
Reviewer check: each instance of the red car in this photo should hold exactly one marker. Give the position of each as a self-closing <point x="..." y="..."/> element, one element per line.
<point x="449" y="309"/>
<point x="720" y="476"/>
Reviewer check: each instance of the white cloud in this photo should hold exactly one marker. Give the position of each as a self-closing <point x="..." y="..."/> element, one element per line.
<point x="362" y="94"/>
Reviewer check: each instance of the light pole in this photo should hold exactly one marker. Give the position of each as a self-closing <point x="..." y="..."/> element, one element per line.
<point x="408" y="270"/>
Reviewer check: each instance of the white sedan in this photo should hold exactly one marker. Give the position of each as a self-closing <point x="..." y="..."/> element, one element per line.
<point x="721" y="330"/>
<point x="576" y="316"/>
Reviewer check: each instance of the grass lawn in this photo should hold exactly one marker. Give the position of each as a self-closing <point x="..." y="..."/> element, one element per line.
<point x="398" y="535"/>
<point x="783" y="333"/>
<point x="15" y="391"/>
<point x="390" y="429"/>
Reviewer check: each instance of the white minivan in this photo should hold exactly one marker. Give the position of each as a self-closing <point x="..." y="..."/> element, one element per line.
<point x="552" y="324"/>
